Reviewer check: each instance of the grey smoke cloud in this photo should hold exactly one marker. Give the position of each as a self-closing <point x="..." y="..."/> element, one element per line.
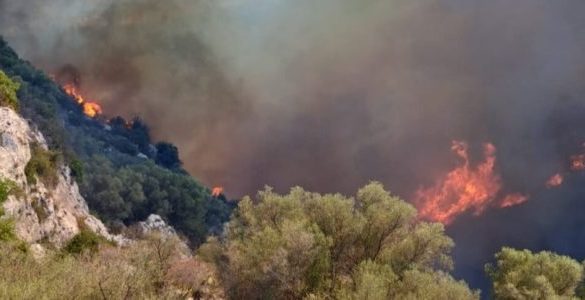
<point x="326" y="94"/>
<point x="331" y="94"/>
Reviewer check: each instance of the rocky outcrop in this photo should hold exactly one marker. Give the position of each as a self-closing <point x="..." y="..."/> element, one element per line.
<point x="41" y="213"/>
<point x="156" y="224"/>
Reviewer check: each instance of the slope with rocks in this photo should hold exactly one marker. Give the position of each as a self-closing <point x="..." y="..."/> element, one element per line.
<point x="43" y="212"/>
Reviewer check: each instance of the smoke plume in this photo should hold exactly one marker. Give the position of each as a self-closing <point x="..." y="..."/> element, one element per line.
<point x="331" y="94"/>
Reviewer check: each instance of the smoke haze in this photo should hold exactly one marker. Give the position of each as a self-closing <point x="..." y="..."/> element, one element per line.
<point x="332" y="94"/>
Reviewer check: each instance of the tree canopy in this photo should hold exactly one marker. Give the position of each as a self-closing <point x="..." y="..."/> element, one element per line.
<point x="521" y="274"/>
<point x="304" y="244"/>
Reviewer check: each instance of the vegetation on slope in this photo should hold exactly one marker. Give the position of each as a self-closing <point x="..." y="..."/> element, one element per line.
<point x="8" y="90"/>
<point x="122" y="174"/>
<point x="299" y="245"/>
<point x="42" y="165"/>
<point x="153" y="268"/>
<point x="7" y="188"/>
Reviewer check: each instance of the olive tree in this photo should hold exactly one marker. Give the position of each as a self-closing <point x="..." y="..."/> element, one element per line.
<point x="308" y="245"/>
<point x="521" y="274"/>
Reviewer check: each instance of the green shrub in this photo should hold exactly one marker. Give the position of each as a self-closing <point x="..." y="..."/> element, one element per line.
<point x="7" y="230"/>
<point x="76" y="170"/>
<point x="8" y="90"/>
<point x="522" y="274"/>
<point x="151" y="269"/>
<point x="42" y="165"/>
<point x="7" y="188"/>
<point x="84" y="241"/>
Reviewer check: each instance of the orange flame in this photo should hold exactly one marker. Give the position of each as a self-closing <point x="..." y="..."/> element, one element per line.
<point x="513" y="200"/>
<point x="216" y="191"/>
<point x="465" y="188"/>
<point x="90" y="108"/>
<point x="555" y="181"/>
<point x="578" y="162"/>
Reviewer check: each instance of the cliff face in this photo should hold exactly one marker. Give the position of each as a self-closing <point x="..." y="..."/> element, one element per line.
<point x="41" y="213"/>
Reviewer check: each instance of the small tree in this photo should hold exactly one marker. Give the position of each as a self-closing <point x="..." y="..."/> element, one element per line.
<point x="521" y="274"/>
<point x="8" y="89"/>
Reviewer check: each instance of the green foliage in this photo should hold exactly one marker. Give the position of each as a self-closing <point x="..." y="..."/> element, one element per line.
<point x="309" y="245"/>
<point x="8" y="90"/>
<point x="42" y="165"/>
<point x="521" y="274"/>
<point x="7" y="233"/>
<point x="7" y="188"/>
<point x="7" y="230"/>
<point x="118" y="185"/>
<point x="130" y="193"/>
<point x="84" y="241"/>
<point x="76" y="169"/>
<point x="149" y="269"/>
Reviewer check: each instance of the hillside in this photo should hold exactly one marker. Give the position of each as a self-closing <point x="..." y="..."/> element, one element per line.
<point x="85" y="200"/>
<point x="48" y="207"/>
<point x="123" y="175"/>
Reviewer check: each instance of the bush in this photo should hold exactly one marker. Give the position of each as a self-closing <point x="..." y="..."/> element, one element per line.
<point x="521" y="274"/>
<point x="8" y="90"/>
<point x="85" y="241"/>
<point x="42" y="165"/>
<point x="307" y="245"/>
<point x="7" y="188"/>
<point x="133" y="272"/>
<point x="76" y="170"/>
<point x="7" y="230"/>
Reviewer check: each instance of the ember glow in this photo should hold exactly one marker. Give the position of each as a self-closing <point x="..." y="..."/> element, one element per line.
<point x="513" y="200"/>
<point x="466" y="188"/>
<point x="578" y="162"/>
<point x="90" y="108"/>
<point x="555" y="181"/>
<point x="216" y="191"/>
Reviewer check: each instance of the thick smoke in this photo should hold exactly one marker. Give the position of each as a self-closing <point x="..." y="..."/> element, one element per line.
<point x="331" y="94"/>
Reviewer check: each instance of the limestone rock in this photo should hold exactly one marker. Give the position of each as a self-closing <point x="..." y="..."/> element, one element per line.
<point x="42" y="214"/>
<point x="155" y="223"/>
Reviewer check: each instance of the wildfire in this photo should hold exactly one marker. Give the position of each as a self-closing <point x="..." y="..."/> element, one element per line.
<point x="555" y="181"/>
<point x="216" y="191"/>
<point x="513" y="200"/>
<point x="90" y="108"/>
<point x="465" y="188"/>
<point x="578" y="162"/>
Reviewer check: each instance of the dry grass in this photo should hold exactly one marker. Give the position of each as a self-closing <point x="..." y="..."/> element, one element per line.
<point x="150" y="269"/>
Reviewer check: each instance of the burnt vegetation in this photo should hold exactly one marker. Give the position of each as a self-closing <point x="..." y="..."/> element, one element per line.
<point x="123" y="175"/>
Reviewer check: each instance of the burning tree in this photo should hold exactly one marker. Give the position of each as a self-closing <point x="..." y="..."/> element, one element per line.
<point x="90" y="108"/>
<point x="465" y="188"/>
